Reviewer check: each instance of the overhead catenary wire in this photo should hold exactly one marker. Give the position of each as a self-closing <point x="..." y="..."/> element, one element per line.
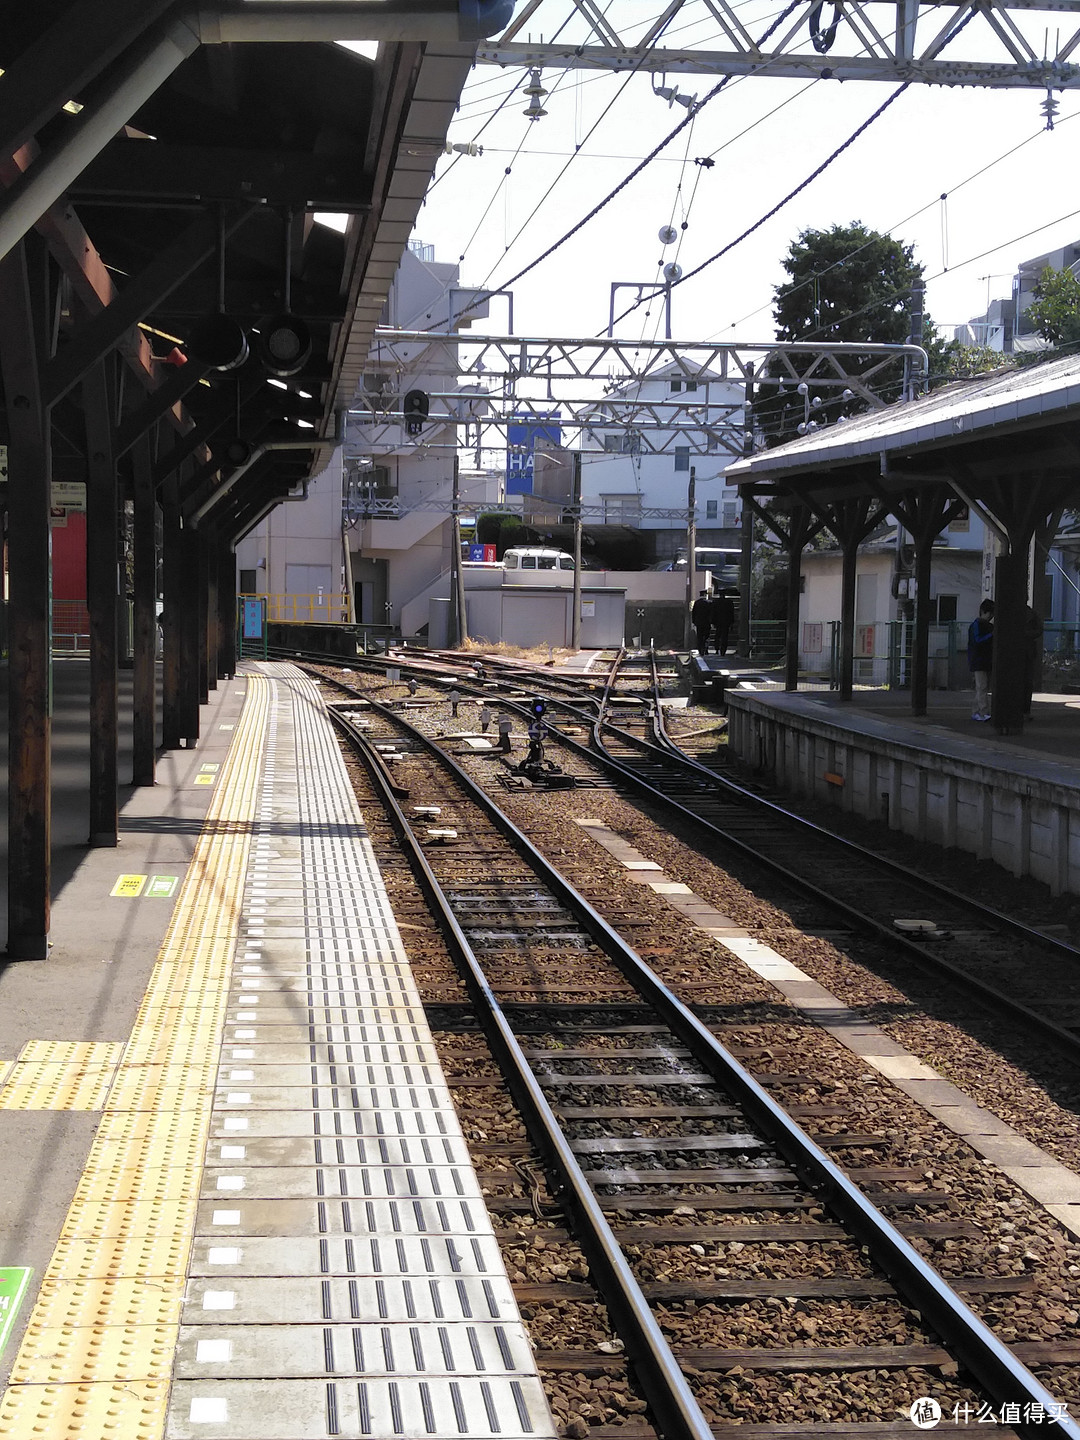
<point x="780" y="204"/>
<point x="775" y="25"/>
<point x="953" y="189"/>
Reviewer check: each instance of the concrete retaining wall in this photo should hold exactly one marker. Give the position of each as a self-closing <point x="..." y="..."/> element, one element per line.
<point x="1028" y="824"/>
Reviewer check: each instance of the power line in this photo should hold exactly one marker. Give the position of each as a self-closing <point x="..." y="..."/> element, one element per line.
<point x="793" y="5"/>
<point x="846" y="144"/>
<point x="905" y="221"/>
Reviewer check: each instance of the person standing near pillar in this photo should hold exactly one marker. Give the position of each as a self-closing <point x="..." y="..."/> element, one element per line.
<point x="981" y="658"/>
<point x="723" y="617"/>
<point x="701" y="619"/>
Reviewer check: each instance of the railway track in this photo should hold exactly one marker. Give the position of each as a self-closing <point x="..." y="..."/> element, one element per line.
<point x="1016" y="970"/>
<point x="668" y="1148"/>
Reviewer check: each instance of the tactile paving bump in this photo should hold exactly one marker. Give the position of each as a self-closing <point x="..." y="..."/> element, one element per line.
<point x="135" y="1411"/>
<point x="137" y="1300"/>
<point x="94" y="1353"/>
<point x="441" y="1409"/>
<point x="85" y="1257"/>
<point x="60" y="1075"/>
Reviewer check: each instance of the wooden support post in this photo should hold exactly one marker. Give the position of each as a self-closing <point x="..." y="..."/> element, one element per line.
<point x="102" y="594"/>
<point x="201" y="577"/>
<point x="213" y="633"/>
<point x="1008" y="693"/>
<point x="144" y="680"/>
<point x="920" y="657"/>
<point x="227" y="592"/>
<point x="746" y="580"/>
<point x="847" y="617"/>
<point x="172" y="607"/>
<point x="800" y="530"/>
<point x="189" y="652"/>
<point x="24" y="304"/>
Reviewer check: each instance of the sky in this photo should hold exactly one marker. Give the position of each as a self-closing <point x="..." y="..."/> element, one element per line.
<point x="765" y="137"/>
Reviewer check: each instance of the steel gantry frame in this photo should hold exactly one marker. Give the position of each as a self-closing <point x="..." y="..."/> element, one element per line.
<point x="563" y="368"/>
<point x="889" y="40"/>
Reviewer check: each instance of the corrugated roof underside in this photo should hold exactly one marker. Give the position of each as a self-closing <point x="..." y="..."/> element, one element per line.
<point x="961" y="410"/>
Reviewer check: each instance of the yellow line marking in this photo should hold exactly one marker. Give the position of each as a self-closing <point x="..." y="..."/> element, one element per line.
<point x="105" y="1325"/>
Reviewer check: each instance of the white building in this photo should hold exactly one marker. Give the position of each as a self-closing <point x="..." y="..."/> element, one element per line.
<point x="626" y="481"/>
<point x="333" y="545"/>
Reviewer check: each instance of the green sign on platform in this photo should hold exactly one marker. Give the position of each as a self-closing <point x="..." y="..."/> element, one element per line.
<point x="161" y="887"/>
<point x="13" y="1283"/>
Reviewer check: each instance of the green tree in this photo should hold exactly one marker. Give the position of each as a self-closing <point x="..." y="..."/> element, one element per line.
<point x="1055" y="311"/>
<point x="847" y="283"/>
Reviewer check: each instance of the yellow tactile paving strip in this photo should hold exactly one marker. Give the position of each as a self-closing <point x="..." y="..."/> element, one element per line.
<point x="60" y="1075"/>
<point x="98" y="1350"/>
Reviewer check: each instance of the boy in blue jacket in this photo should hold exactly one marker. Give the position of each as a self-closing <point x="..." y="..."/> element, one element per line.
<point x="981" y="657"/>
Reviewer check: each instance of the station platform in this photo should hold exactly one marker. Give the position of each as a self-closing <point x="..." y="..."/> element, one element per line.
<point x="232" y="1160"/>
<point x="941" y="777"/>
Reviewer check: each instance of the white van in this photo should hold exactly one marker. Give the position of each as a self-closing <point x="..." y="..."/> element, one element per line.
<point x="535" y="557"/>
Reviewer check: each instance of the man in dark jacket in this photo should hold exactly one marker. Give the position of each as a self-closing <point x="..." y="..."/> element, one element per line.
<point x="723" y="617"/>
<point x="981" y="657"/>
<point x="701" y="619"/>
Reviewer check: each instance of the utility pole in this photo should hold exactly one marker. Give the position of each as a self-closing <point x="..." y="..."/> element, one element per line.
<point x="914" y="377"/>
<point x="691" y="554"/>
<point x="459" y="627"/>
<point x="575" y="508"/>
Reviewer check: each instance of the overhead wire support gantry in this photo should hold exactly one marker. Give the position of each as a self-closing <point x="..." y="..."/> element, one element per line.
<point x="601" y="386"/>
<point x="1019" y="44"/>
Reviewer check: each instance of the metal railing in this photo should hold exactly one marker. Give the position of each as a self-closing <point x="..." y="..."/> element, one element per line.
<point x="320" y="608"/>
<point x="70" y="627"/>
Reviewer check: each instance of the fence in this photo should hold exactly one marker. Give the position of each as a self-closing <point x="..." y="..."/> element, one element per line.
<point x="70" y="627"/>
<point x="883" y="655"/>
<point x="320" y="608"/>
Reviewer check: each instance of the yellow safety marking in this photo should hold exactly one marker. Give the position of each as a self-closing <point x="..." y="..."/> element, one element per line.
<point x="205" y="779"/>
<point x="84" y="1257"/>
<point x="5" y="1069"/>
<point x="83" y="1054"/>
<point x="128" y="886"/>
<point x="130" y="1352"/>
<point x="106" y="1322"/>
<point x="134" y="1410"/>
<point x="60" y="1075"/>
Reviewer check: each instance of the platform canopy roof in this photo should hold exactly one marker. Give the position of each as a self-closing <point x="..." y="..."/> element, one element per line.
<point x="173" y="160"/>
<point x="1008" y="427"/>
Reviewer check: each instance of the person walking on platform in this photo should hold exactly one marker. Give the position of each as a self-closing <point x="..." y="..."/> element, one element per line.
<point x="701" y="619"/>
<point x="723" y="617"/>
<point x="981" y="658"/>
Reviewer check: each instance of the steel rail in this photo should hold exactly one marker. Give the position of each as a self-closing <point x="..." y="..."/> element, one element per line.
<point x="674" y="755"/>
<point x="1005" y="1378"/>
<point x="665" y="1386"/>
<point x="819" y="832"/>
<point x="995" y="998"/>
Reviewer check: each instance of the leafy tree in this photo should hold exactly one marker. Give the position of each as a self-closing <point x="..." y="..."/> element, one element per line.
<point x="847" y="284"/>
<point x="963" y="362"/>
<point x="488" y="526"/>
<point x="1055" y="311"/>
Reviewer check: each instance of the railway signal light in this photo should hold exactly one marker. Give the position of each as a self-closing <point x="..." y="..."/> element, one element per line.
<point x="539" y="708"/>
